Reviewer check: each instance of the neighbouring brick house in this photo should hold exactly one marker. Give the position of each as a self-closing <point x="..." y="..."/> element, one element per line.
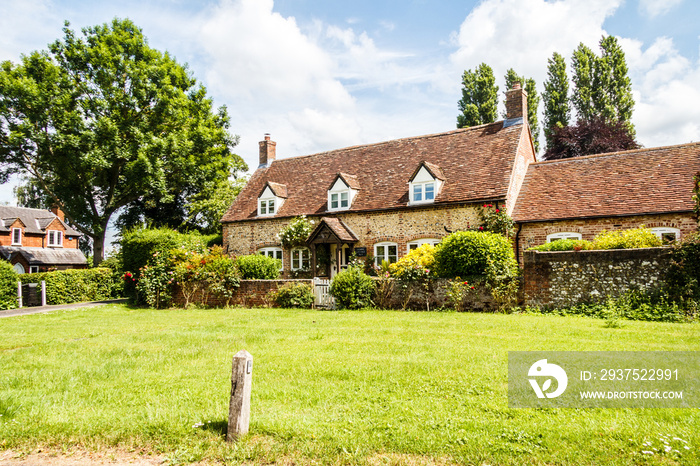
<point x="579" y="197"/>
<point x="36" y="240"/>
<point x="385" y="199"/>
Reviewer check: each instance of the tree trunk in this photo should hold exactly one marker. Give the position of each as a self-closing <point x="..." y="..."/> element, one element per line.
<point x="98" y="249"/>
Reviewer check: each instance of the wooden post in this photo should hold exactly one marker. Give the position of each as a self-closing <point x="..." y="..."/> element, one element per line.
<point x="239" y="408"/>
<point x="19" y="295"/>
<point x="43" y="293"/>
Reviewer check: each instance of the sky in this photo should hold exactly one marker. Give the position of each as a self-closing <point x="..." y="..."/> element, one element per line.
<point x="325" y="74"/>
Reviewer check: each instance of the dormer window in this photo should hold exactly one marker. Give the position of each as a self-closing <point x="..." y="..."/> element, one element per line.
<point x="342" y="192"/>
<point x="271" y="199"/>
<point x="425" y="184"/>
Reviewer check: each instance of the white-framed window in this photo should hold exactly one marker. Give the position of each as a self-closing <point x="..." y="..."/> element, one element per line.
<point x="266" y="206"/>
<point x="667" y="234"/>
<point x="340" y="196"/>
<point x="386" y="252"/>
<point x="33" y="269"/>
<point x="274" y="252"/>
<point x="339" y="200"/>
<point x="55" y="238"/>
<point x="17" y="237"/>
<point x="423" y="192"/>
<point x="423" y="188"/>
<point x="19" y="268"/>
<point x="563" y="235"/>
<point x="415" y="244"/>
<point x="301" y="259"/>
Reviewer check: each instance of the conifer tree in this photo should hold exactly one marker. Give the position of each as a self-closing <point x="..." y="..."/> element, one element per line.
<point x="479" y="97"/>
<point x="557" y="112"/>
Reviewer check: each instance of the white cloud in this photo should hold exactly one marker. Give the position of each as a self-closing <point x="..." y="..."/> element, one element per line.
<point x="654" y="8"/>
<point x="26" y="22"/>
<point x="523" y="34"/>
<point x="667" y="98"/>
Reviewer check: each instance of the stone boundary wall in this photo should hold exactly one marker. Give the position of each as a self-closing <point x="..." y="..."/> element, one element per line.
<point x="416" y="297"/>
<point x="565" y="278"/>
<point x="252" y="293"/>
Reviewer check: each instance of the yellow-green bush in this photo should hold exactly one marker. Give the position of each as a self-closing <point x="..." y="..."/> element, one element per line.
<point x="418" y="262"/>
<point x="76" y="285"/>
<point x="634" y="238"/>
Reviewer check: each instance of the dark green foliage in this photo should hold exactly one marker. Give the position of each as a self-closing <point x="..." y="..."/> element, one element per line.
<point x="8" y="286"/>
<point x="102" y="122"/>
<point x="78" y="285"/>
<point x="602" y="87"/>
<point x="353" y="289"/>
<point x="479" y="97"/>
<point x="294" y="295"/>
<point x="258" y="267"/>
<point x="467" y="254"/>
<point x="684" y="273"/>
<point x="533" y="102"/>
<point x="636" y="305"/>
<point x="139" y="246"/>
<point x="556" y="97"/>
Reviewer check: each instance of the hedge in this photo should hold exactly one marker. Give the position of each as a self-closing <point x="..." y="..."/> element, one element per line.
<point x="8" y="286"/>
<point x="76" y="285"/>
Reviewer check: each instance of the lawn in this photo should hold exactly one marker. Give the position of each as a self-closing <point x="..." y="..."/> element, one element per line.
<point x="357" y="387"/>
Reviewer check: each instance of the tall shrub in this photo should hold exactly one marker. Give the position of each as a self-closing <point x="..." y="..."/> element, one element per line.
<point x="8" y="286"/>
<point x="258" y="267"/>
<point x="467" y="254"/>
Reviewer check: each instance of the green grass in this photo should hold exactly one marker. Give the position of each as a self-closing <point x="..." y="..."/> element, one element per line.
<point x="379" y="387"/>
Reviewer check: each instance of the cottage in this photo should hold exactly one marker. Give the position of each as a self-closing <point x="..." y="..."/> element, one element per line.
<point x="382" y="200"/>
<point x="36" y="240"/>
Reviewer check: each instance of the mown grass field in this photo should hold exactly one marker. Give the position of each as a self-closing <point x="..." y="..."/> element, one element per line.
<point x="346" y="387"/>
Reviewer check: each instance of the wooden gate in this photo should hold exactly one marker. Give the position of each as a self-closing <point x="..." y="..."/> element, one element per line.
<point x="322" y="293"/>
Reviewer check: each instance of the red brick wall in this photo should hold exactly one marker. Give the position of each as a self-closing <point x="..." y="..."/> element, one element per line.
<point x="31" y="240"/>
<point x="534" y="234"/>
<point x="252" y="293"/>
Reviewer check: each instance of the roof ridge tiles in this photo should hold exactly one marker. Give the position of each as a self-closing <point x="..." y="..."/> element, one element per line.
<point x="621" y="152"/>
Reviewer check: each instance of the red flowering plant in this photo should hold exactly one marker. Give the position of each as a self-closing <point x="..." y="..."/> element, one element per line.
<point x="458" y="292"/>
<point x="496" y="220"/>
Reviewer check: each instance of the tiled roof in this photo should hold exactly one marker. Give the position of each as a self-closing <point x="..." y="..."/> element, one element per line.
<point x="476" y="164"/>
<point x="46" y="256"/>
<point x="34" y="220"/>
<point x="644" y="181"/>
<point x="337" y="227"/>
<point x="278" y="189"/>
<point x="349" y="180"/>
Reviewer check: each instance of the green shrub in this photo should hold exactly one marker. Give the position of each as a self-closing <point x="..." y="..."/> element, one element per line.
<point x="295" y="234"/>
<point x="258" y="267"/>
<point x="155" y="282"/>
<point x="8" y="286"/>
<point x="626" y="239"/>
<point x="220" y="274"/>
<point x="684" y="272"/>
<point x="138" y="247"/>
<point x="620" y="239"/>
<point x="294" y="295"/>
<point x="467" y="254"/>
<point x="353" y="289"/>
<point x="78" y="285"/>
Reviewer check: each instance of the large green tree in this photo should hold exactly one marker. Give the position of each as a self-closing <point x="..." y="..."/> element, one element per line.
<point x="602" y="87"/>
<point x="102" y="122"/>
<point x="557" y="112"/>
<point x="479" y="101"/>
<point x="533" y="102"/>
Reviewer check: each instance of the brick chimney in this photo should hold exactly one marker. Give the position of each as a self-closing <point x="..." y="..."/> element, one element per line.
<point x="58" y="212"/>
<point x="516" y="103"/>
<point x="268" y="151"/>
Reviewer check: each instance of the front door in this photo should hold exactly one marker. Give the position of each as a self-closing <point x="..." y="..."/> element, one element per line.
<point x="341" y="258"/>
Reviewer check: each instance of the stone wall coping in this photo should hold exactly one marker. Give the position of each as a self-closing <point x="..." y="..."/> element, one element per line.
<point x="594" y="254"/>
